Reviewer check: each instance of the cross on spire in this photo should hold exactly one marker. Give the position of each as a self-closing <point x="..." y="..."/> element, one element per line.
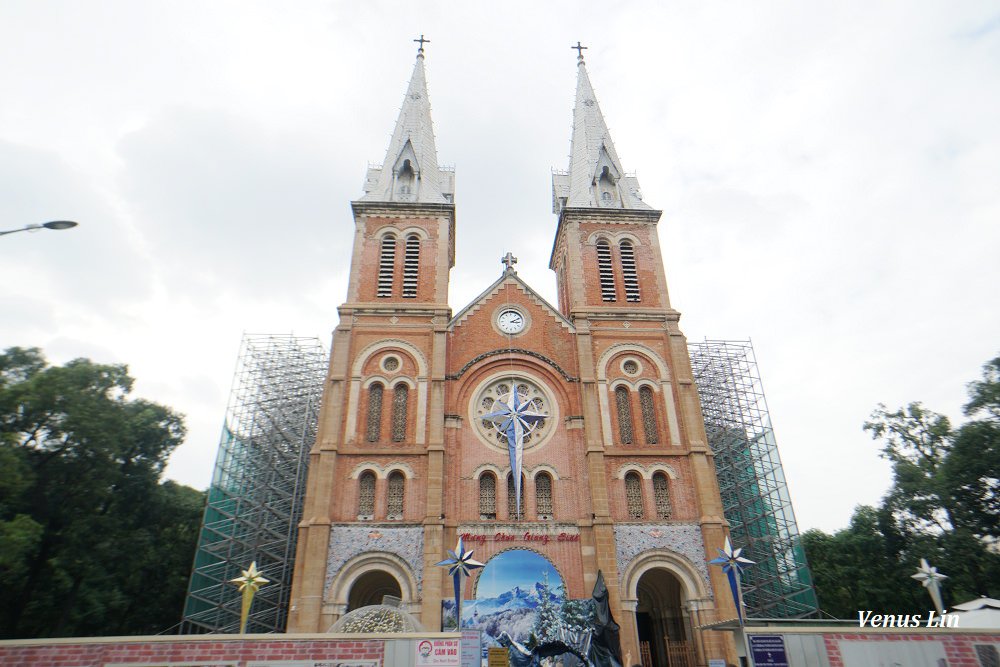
<point x="578" y="47"/>
<point x="509" y="261"/>
<point x="422" y="42"/>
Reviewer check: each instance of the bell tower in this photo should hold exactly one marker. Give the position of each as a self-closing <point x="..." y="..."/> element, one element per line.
<point x="605" y="229"/>
<point x="404" y="242"/>
<point x="382" y="420"/>
<point x="640" y="405"/>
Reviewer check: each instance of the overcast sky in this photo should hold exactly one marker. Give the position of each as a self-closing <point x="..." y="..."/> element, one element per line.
<point x="828" y="175"/>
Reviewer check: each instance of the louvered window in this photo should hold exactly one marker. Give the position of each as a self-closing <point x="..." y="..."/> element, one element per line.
<point x="543" y="496"/>
<point x="605" y="271"/>
<point x="487" y="496"/>
<point x="400" y="398"/>
<point x="386" y="266"/>
<point x="366" y="495"/>
<point x="395" y="494"/>
<point x="374" y="412"/>
<point x="512" y="509"/>
<point x="661" y="494"/>
<point x="633" y="495"/>
<point x="628" y="271"/>
<point x="411" y="266"/>
<point x="623" y="402"/>
<point x="648" y="415"/>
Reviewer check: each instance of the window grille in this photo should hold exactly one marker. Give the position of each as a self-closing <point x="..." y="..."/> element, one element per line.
<point x="394" y="496"/>
<point x="487" y="496"/>
<point x="605" y="272"/>
<point x="543" y="496"/>
<point x="987" y="655"/>
<point x="411" y="266"/>
<point x="366" y="495"/>
<point x="623" y="402"/>
<point x="374" y="412"/>
<point x="629" y="274"/>
<point x="400" y="397"/>
<point x="661" y="494"/>
<point x="386" y="266"/>
<point x="648" y="415"/>
<point x="633" y="495"/>
<point x="631" y="367"/>
<point x="511" y="506"/>
<point x="390" y="364"/>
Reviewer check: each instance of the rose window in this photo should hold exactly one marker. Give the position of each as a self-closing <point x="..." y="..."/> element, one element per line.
<point x="499" y="391"/>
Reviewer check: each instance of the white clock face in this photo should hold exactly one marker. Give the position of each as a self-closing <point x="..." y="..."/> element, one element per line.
<point x="510" y="321"/>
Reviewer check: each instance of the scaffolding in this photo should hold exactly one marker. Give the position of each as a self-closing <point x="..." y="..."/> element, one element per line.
<point x="255" y="500"/>
<point x="755" y="497"/>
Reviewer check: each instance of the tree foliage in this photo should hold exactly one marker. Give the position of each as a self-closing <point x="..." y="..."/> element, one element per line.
<point x="91" y="542"/>
<point x="944" y="505"/>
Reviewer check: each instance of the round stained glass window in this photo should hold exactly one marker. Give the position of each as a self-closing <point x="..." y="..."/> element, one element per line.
<point x="494" y="398"/>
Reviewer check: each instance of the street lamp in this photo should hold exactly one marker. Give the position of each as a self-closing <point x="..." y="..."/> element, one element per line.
<point x="55" y="224"/>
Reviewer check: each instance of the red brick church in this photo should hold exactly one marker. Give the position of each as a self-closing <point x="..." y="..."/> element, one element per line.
<point x="613" y="467"/>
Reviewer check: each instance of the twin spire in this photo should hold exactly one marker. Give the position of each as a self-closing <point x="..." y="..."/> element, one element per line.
<point x="595" y="178"/>
<point x="410" y="173"/>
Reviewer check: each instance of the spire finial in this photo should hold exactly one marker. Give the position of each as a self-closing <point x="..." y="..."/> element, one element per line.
<point x="508" y="261"/>
<point x="422" y="41"/>
<point x="579" y="51"/>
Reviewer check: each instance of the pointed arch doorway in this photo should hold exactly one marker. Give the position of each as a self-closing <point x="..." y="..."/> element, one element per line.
<point x="666" y="637"/>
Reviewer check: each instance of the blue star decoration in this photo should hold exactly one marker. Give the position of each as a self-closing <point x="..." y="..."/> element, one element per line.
<point x="732" y="564"/>
<point x="461" y="564"/>
<point x="515" y="419"/>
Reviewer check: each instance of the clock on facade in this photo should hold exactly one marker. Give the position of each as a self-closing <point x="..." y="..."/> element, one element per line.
<point x="510" y="321"/>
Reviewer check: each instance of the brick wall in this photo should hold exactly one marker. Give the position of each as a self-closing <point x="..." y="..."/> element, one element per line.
<point x="959" y="648"/>
<point x="165" y="650"/>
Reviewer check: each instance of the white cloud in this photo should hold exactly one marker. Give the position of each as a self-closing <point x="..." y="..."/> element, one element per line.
<point x="827" y="176"/>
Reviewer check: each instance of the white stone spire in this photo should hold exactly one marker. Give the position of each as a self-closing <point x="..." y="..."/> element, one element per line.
<point x="410" y="172"/>
<point x="595" y="178"/>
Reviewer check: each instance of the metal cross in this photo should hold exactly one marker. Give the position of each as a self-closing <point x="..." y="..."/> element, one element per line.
<point x="509" y="261"/>
<point x="579" y="49"/>
<point x="422" y="42"/>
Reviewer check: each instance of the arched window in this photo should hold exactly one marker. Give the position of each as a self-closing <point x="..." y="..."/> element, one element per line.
<point x="648" y="415"/>
<point x="629" y="274"/>
<point x="624" y="403"/>
<point x="411" y="266"/>
<point x="487" y="496"/>
<point x="661" y="493"/>
<point x="366" y="495"/>
<point x="543" y="495"/>
<point x="394" y="496"/>
<point x="374" y="412"/>
<point x="633" y="495"/>
<point x="386" y="266"/>
<point x="512" y="508"/>
<point x="605" y="271"/>
<point x="400" y="398"/>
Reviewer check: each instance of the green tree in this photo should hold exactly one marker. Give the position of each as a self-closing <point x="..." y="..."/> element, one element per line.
<point x="944" y="505"/>
<point x="92" y="542"/>
<point x="858" y="569"/>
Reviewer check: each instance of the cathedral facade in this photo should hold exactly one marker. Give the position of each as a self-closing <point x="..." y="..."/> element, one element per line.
<point x="558" y="441"/>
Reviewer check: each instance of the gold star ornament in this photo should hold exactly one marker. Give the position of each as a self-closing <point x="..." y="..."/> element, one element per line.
<point x="249" y="584"/>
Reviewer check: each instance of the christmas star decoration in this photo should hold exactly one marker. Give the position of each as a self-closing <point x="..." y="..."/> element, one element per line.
<point x="249" y="584"/>
<point x="460" y="565"/>
<point x="515" y="419"/>
<point x="928" y="575"/>
<point x="733" y="564"/>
